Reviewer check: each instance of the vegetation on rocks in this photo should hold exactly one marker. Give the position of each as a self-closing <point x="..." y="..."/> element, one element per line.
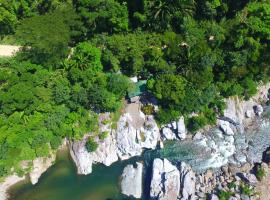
<point x="91" y="145"/>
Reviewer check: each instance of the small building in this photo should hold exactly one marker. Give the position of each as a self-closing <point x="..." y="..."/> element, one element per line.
<point x="138" y="89"/>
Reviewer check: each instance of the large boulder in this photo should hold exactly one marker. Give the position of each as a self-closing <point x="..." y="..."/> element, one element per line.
<point x="126" y="136"/>
<point x="248" y="178"/>
<point x="165" y="184"/>
<point x="258" y="110"/>
<point x="149" y="134"/>
<point x="187" y="182"/>
<point x="172" y="183"/>
<point x="181" y="128"/>
<point x="168" y="134"/>
<point x="225" y="127"/>
<point x="131" y="180"/>
<point x="213" y="197"/>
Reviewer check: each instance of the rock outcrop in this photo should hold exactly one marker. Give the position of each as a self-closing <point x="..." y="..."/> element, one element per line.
<point x="187" y="182"/>
<point x="258" y="110"/>
<point x="181" y="128"/>
<point x="124" y="142"/>
<point x="242" y="112"/>
<point x="132" y="141"/>
<point x="248" y="178"/>
<point x="106" y="153"/>
<point x="175" y="130"/>
<point x="168" y="134"/>
<point x="131" y="180"/>
<point x="225" y="127"/>
<point x="165" y="184"/>
<point x="40" y="165"/>
<point x="172" y="183"/>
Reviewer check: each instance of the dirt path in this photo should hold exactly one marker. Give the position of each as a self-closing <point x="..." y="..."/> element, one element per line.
<point x="8" y="50"/>
<point x="137" y="119"/>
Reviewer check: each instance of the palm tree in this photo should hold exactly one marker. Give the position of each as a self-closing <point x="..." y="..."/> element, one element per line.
<point x="164" y="11"/>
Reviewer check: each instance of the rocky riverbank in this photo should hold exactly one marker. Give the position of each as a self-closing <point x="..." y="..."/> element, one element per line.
<point x="136" y="132"/>
<point x="39" y="166"/>
<point x="236" y="180"/>
<point x="123" y="143"/>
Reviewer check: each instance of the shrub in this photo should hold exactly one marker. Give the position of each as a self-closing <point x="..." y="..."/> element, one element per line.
<point x="231" y="185"/>
<point x="103" y="135"/>
<point x="195" y="123"/>
<point x="260" y="173"/>
<point x="165" y="116"/>
<point x="55" y="142"/>
<point x="246" y="190"/>
<point x="225" y="195"/>
<point x="148" y="109"/>
<point x="91" y="145"/>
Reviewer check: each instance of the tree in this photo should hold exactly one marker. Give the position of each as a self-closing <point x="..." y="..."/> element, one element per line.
<point x="8" y="19"/>
<point x="86" y="56"/>
<point x="45" y="38"/>
<point x="169" y="88"/>
<point x="61" y="90"/>
<point x="166" y="14"/>
<point x="101" y="16"/>
<point x="118" y="84"/>
<point x="101" y="100"/>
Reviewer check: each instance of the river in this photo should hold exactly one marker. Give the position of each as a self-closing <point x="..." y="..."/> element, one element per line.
<point x="61" y="182"/>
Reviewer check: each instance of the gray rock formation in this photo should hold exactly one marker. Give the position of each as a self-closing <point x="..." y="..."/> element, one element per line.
<point x="258" y="110"/>
<point x="213" y="197"/>
<point x="175" y="130"/>
<point x="170" y="183"/>
<point x="106" y="152"/>
<point x="241" y="111"/>
<point x="131" y="180"/>
<point x="248" y="178"/>
<point x="165" y="184"/>
<point x="225" y="127"/>
<point x="132" y="141"/>
<point x="198" y="136"/>
<point x="168" y="134"/>
<point x="187" y="182"/>
<point x="181" y="128"/>
<point x="124" y="143"/>
<point x="250" y="113"/>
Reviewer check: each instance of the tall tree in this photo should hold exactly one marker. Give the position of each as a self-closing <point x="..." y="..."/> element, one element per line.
<point x="45" y="38"/>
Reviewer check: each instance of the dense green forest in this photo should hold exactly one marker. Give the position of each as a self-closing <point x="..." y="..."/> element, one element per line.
<point x="77" y="56"/>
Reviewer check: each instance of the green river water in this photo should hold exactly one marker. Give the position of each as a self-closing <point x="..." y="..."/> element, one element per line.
<point x="61" y="182"/>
